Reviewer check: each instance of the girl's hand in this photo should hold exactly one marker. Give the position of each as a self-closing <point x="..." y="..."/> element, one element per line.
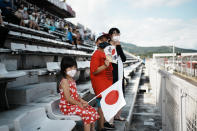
<point x="80" y="104"/>
<point x="85" y="103"/>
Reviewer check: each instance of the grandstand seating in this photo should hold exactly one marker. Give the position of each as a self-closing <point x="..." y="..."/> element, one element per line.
<point x="54" y="112"/>
<point x="22" y="29"/>
<point x="83" y="64"/>
<point x="29" y="93"/>
<point x="37" y="120"/>
<point x="128" y="70"/>
<point x="4" y="74"/>
<point x="18" y="47"/>
<point x="4" y="128"/>
<point x="53" y="67"/>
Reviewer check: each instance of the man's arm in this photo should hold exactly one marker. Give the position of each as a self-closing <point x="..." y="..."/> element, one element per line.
<point x="101" y="68"/>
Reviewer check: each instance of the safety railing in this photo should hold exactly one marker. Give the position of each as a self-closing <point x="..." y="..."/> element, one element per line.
<point x="176" y="98"/>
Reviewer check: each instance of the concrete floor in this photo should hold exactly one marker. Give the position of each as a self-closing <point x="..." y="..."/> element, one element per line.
<point x="146" y="115"/>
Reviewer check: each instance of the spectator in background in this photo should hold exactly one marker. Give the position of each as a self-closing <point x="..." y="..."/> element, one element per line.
<point x="7" y="12"/>
<point x="62" y="25"/>
<point x="3" y="31"/>
<point x="78" y="38"/>
<point x="1" y="19"/>
<point x="70" y="36"/>
<point x="37" y="16"/>
<point x="47" y="22"/>
<point x="52" y="24"/>
<point x="57" y="24"/>
<point x="33" y="19"/>
<point x="74" y="35"/>
<point x="66" y="26"/>
<point x="42" y="18"/>
<point x="25" y="18"/>
<point x="19" y="14"/>
<point x="85" y="35"/>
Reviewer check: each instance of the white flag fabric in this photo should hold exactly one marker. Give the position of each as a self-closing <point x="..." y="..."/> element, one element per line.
<point x="112" y="100"/>
<point x="120" y="68"/>
<point x="111" y="54"/>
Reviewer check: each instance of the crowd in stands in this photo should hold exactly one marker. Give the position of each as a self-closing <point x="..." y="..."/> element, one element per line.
<point x="29" y="15"/>
<point x="103" y="72"/>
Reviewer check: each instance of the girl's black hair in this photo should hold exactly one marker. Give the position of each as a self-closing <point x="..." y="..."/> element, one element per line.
<point x="66" y="62"/>
<point x="111" y="31"/>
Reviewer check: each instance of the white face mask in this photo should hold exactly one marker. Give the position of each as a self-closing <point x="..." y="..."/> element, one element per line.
<point x="72" y="73"/>
<point x="116" y="38"/>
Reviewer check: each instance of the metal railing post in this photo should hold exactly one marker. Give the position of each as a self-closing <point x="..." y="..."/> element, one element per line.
<point x="180" y="110"/>
<point x="183" y="111"/>
<point x="163" y="102"/>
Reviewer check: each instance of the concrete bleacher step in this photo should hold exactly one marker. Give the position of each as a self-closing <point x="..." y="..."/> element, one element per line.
<point x="4" y="128"/>
<point x="7" y="117"/>
<point x="53" y="66"/>
<point x="29" y="93"/>
<point x="37" y="120"/>
<point x="130" y="97"/>
<point x="17" y="47"/>
<point x="31" y="48"/>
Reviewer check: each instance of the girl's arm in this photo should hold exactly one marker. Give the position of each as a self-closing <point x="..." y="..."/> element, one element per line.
<point x="84" y="103"/>
<point x="65" y="86"/>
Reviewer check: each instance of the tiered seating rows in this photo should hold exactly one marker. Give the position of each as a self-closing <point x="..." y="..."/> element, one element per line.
<point x="16" y="47"/>
<point x="29" y="30"/>
<point x="46" y="41"/>
<point x="40" y="36"/>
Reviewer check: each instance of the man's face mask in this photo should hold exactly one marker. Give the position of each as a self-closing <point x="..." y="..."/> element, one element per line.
<point x="103" y="45"/>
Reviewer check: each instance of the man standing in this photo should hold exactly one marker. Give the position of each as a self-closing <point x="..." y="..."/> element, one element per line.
<point x="100" y="74"/>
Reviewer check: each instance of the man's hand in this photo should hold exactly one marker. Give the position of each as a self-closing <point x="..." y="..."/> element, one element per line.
<point x="107" y="63"/>
<point x="117" y="42"/>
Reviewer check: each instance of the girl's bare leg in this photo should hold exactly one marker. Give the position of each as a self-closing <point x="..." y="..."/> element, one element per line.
<point x="92" y="127"/>
<point x="86" y="127"/>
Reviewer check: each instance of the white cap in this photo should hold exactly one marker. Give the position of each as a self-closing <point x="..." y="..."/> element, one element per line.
<point x="99" y="35"/>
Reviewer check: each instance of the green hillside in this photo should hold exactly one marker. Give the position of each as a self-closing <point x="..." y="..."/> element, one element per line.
<point x="148" y="51"/>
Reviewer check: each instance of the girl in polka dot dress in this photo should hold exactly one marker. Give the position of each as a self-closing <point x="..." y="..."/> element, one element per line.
<point x="70" y="102"/>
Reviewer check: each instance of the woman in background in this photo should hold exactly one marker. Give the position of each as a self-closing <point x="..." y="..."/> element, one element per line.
<point x="115" y="41"/>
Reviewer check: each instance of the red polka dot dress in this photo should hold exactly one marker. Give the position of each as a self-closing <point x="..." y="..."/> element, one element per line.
<point x="88" y="114"/>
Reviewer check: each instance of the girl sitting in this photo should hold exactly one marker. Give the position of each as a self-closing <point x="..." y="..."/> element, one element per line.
<point x="70" y="102"/>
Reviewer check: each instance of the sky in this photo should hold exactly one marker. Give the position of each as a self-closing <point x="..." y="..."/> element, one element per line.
<point x="142" y="22"/>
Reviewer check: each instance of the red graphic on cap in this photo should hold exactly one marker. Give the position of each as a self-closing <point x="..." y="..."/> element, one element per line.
<point x="112" y="97"/>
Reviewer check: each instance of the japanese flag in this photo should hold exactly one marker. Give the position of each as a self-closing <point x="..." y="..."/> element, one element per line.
<point x="111" y="54"/>
<point x="112" y="100"/>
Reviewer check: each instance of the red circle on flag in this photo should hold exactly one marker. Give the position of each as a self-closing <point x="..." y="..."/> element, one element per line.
<point x="113" y="51"/>
<point x="112" y="97"/>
